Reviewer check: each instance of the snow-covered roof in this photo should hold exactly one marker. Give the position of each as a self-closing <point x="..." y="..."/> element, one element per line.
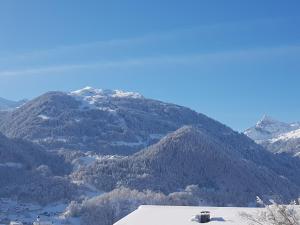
<point x="183" y="215"/>
<point x="94" y="93"/>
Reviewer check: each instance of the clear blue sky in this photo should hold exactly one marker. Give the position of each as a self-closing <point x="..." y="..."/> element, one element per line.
<point x="232" y="60"/>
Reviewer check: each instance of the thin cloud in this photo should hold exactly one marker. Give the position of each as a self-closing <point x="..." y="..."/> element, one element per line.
<point x="133" y="41"/>
<point x="194" y="59"/>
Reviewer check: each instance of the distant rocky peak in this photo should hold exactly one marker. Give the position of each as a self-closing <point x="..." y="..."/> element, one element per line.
<point x="268" y="128"/>
<point x="267" y="120"/>
<point x="273" y="126"/>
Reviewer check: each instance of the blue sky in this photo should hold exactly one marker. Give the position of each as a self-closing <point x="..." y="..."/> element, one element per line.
<point x="233" y="60"/>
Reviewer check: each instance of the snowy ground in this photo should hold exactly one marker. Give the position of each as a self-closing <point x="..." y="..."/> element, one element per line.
<point x="183" y="215"/>
<point x="27" y="213"/>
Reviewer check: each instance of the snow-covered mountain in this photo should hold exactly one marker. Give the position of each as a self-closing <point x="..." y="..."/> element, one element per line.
<point x="92" y="95"/>
<point x="275" y="135"/>
<point x="105" y="121"/>
<point x="10" y="105"/>
<point x="181" y="147"/>
<point x="176" y="153"/>
<point x="228" y="167"/>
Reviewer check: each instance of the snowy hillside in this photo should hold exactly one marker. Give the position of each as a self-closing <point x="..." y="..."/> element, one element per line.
<point x="102" y="153"/>
<point x="275" y="135"/>
<point x="199" y="156"/>
<point x="104" y="121"/>
<point x="28" y="173"/>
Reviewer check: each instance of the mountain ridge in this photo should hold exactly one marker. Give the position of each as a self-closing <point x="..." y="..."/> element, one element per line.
<point x="6" y="104"/>
<point x="192" y="156"/>
<point x="108" y="122"/>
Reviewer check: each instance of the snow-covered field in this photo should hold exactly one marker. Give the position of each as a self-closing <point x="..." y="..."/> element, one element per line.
<point x="183" y="215"/>
<point x="11" y="210"/>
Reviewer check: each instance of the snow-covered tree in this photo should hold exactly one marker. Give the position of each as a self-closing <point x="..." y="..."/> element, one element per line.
<point x="274" y="214"/>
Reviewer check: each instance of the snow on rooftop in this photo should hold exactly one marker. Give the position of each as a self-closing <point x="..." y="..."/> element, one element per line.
<point x="183" y="215"/>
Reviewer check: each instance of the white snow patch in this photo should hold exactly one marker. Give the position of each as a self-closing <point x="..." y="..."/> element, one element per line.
<point x="287" y="136"/>
<point x="131" y="144"/>
<point x="44" y="117"/>
<point x="92" y="98"/>
<point x="124" y="94"/>
<point x="102" y="93"/>
<point x="11" y="165"/>
<point x="50" y="140"/>
<point x="107" y="109"/>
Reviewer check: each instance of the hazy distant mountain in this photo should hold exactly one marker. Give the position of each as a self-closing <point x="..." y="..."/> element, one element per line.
<point x="29" y="173"/>
<point x="227" y="166"/>
<point x="98" y="120"/>
<point x="10" y="105"/>
<point x="276" y="136"/>
<point x="2" y="115"/>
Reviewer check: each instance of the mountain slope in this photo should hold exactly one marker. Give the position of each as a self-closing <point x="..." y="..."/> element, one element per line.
<point x="104" y="121"/>
<point x="29" y="155"/>
<point x="276" y="136"/>
<point x="228" y="172"/>
<point x="29" y="173"/>
<point x="10" y="105"/>
<point x="2" y="116"/>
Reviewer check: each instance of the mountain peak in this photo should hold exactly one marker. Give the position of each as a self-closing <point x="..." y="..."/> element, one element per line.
<point x="86" y="91"/>
<point x="266" y="119"/>
<point x="268" y="128"/>
<point x="271" y="125"/>
<point x="104" y="93"/>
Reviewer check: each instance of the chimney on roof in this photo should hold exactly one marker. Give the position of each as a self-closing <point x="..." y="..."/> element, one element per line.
<point x="204" y="217"/>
